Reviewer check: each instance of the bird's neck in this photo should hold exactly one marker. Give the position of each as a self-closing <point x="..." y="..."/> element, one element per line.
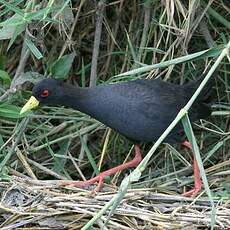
<point x="82" y="99"/>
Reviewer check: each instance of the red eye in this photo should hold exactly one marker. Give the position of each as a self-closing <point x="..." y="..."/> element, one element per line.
<point x="45" y="93"/>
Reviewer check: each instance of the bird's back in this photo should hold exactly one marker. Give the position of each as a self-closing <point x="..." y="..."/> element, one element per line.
<point x="142" y="109"/>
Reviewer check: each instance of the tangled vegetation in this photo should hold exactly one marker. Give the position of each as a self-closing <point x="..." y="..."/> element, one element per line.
<point x="87" y="43"/>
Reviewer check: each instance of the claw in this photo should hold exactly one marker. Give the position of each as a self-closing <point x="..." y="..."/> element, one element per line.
<point x="100" y="178"/>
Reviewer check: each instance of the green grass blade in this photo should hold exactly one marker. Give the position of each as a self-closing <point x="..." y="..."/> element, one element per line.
<point x="89" y="156"/>
<point x="195" y="56"/>
<point x="12" y="7"/>
<point x="33" y="48"/>
<point x="189" y="132"/>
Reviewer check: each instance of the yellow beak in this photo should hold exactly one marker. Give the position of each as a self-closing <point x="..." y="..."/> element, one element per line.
<point x="32" y="103"/>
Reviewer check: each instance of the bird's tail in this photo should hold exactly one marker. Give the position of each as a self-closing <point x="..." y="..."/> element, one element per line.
<point x="201" y="107"/>
<point x="206" y="92"/>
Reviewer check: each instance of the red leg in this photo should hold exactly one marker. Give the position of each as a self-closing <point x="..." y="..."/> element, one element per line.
<point x="197" y="180"/>
<point x="100" y="178"/>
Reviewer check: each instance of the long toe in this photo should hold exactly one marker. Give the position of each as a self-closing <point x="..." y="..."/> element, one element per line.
<point x="78" y="184"/>
<point x="193" y="192"/>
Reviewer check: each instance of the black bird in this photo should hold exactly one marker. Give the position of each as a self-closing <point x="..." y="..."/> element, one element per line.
<point x="140" y="110"/>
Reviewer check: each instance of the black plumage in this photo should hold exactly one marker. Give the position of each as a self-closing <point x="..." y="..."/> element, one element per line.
<point x="140" y="110"/>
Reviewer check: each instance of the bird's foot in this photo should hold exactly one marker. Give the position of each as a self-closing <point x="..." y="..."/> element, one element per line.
<point x="197" y="187"/>
<point x="197" y="180"/>
<point x="83" y="184"/>
<point x="100" y="178"/>
<point x="193" y="192"/>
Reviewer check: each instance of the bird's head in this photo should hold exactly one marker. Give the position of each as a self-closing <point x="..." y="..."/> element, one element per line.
<point x="45" y="92"/>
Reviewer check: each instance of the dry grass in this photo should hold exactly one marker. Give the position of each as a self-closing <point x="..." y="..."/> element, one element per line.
<point x="57" y="143"/>
<point x="37" y="203"/>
